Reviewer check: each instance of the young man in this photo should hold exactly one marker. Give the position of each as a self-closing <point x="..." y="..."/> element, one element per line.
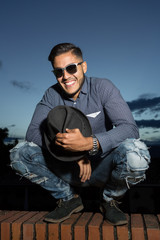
<point x="116" y="159"/>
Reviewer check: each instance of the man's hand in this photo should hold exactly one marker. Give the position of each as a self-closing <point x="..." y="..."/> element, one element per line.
<point x="85" y="169"/>
<point x="74" y="141"/>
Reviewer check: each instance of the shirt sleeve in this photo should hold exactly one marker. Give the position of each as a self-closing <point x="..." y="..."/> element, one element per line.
<point x="120" y="116"/>
<point x="37" y="125"/>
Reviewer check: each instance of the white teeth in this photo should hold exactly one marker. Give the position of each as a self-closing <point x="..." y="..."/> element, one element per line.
<point x="69" y="83"/>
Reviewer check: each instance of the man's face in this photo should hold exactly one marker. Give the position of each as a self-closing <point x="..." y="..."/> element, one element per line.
<point x="70" y="83"/>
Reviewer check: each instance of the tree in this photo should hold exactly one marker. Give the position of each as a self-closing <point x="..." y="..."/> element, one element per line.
<point x="4" y="152"/>
<point x="3" y="135"/>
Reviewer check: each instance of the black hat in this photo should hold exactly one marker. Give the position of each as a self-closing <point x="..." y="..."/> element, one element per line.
<point x="60" y="118"/>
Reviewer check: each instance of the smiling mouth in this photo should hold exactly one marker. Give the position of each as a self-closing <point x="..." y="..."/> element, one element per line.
<point x="70" y="83"/>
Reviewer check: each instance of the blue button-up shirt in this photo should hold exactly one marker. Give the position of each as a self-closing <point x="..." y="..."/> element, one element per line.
<point x="109" y="115"/>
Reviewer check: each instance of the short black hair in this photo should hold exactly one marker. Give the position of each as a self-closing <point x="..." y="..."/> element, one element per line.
<point x="64" y="48"/>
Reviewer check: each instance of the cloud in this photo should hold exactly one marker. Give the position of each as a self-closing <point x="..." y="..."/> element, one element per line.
<point x="147" y="132"/>
<point x="21" y="85"/>
<point x="147" y="109"/>
<point x="147" y="96"/>
<point x="156" y="131"/>
<point x="144" y="103"/>
<point x="148" y="123"/>
<point x="12" y="125"/>
<point x="156" y="116"/>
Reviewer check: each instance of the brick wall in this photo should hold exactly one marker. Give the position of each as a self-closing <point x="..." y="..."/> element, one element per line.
<point x="25" y="225"/>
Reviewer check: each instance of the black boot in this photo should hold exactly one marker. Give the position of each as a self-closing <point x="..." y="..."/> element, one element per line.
<point x="112" y="213"/>
<point x="64" y="210"/>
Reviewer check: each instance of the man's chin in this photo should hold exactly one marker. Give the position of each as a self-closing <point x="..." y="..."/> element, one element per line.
<point x="70" y="95"/>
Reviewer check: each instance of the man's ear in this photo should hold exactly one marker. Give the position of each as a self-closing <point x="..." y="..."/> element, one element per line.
<point x="84" y="66"/>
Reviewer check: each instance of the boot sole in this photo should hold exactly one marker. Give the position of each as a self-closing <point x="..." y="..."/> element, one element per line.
<point x="120" y="223"/>
<point x="76" y="210"/>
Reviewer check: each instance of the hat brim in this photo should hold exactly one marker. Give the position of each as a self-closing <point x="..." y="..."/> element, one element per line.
<point x="57" y="151"/>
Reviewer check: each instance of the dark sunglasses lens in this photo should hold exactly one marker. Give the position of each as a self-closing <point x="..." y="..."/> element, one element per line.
<point x="58" y="72"/>
<point x="71" y="68"/>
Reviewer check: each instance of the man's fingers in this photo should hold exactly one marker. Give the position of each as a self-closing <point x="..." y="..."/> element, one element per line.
<point x="86" y="173"/>
<point x="85" y="169"/>
<point x="72" y="130"/>
<point x="69" y="130"/>
<point x="81" y="171"/>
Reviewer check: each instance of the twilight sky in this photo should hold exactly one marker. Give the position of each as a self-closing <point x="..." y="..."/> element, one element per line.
<point x="120" y="40"/>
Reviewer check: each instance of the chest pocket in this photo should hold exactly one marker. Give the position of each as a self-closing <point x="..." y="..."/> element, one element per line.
<point x="99" y="122"/>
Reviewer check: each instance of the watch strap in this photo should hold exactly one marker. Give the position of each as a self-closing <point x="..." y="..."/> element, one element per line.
<point x="95" y="149"/>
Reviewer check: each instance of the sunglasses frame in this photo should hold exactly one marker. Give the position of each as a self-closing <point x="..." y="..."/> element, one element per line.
<point x="65" y="68"/>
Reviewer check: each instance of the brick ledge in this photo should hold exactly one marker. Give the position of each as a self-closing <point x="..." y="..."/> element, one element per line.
<point x="29" y="225"/>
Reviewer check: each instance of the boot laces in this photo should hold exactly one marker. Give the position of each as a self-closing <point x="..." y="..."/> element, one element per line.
<point x="114" y="203"/>
<point x="59" y="203"/>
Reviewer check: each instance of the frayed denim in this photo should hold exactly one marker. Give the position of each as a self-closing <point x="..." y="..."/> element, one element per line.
<point x="130" y="162"/>
<point x="124" y="167"/>
<point x="28" y="161"/>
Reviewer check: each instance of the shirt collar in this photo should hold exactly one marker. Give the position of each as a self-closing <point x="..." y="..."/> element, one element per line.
<point x="84" y="88"/>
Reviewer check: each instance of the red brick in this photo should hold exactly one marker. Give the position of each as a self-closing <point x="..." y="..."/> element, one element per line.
<point x="137" y="227"/>
<point x="41" y="228"/>
<point x="158" y="217"/>
<point x="33" y="227"/>
<point x="16" y="225"/>
<point x="122" y="231"/>
<point x="6" y="224"/>
<point x="152" y="225"/>
<point x="2" y="213"/>
<point x="107" y="231"/>
<point x="80" y="226"/>
<point x="29" y="228"/>
<point x="94" y="227"/>
<point x="53" y="231"/>
<point x="66" y="227"/>
<point x="6" y="214"/>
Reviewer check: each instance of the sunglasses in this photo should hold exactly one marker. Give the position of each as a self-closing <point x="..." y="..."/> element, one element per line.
<point x="71" y="69"/>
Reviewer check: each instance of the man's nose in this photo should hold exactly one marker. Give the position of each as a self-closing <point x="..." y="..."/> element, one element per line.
<point x="66" y="74"/>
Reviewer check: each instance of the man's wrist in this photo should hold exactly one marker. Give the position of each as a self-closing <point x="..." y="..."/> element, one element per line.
<point x="95" y="147"/>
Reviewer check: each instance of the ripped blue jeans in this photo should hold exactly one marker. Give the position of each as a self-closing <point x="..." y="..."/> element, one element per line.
<point x="123" y="167"/>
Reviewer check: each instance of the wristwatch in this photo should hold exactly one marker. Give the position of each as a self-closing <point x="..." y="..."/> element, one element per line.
<point x="95" y="149"/>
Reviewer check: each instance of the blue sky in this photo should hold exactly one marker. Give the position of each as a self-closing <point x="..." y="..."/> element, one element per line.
<point x="120" y="40"/>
